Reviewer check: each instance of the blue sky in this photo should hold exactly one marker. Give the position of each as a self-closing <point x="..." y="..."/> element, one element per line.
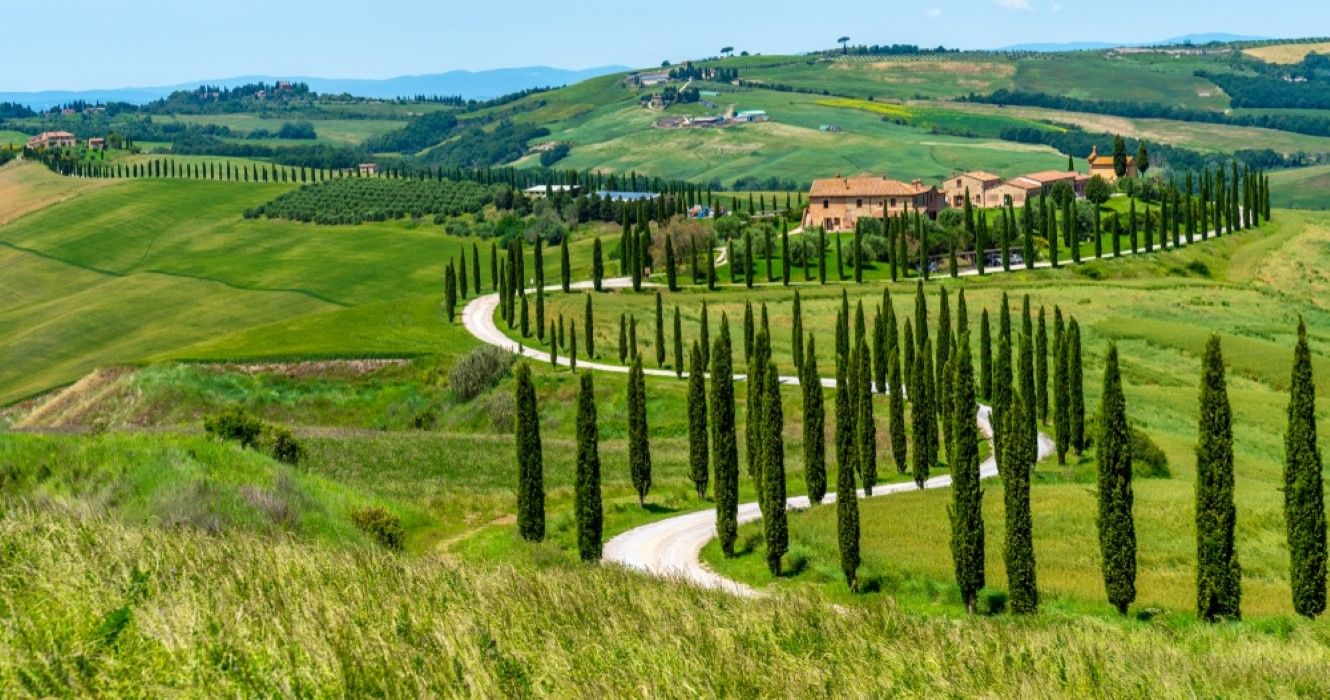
<point x="80" y="44"/>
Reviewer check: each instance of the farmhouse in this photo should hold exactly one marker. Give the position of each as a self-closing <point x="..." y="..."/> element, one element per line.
<point x="750" y="115"/>
<point x="1103" y="166"/>
<point x="652" y="79"/>
<point x="1019" y="189"/>
<point x="540" y="191"/>
<point x="52" y="139"/>
<point x="369" y="168"/>
<point x="836" y="204"/>
<point x="977" y="183"/>
<point x="97" y="142"/>
<point x="1049" y="178"/>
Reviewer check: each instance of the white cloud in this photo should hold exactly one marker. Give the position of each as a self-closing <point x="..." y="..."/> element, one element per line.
<point x="1057" y="6"/>
<point x="932" y="13"/>
<point x="1022" y="5"/>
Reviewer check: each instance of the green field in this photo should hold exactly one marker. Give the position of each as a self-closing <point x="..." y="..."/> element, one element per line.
<point x="1303" y="188"/>
<point x="341" y="132"/>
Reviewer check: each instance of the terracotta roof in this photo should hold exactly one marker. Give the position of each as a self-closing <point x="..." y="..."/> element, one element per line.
<point x="980" y="175"/>
<point x="864" y="187"/>
<point x="1024" y="183"/>
<point x="1108" y="160"/>
<point x="1050" y="176"/>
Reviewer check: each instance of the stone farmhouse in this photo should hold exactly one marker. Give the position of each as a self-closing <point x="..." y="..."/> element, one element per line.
<point x="836" y="204"/>
<point x="52" y="139"/>
<point x="1103" y="166"/>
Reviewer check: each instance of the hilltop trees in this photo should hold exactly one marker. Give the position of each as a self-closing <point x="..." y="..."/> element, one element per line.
<point x="1218" y="574"/>
<point x="1117" y="529"/>
<point x="587" y="501"/>
<point x="1304" y="494"/>
<point x="697" y="422"/>
<point x="530" y="469"/>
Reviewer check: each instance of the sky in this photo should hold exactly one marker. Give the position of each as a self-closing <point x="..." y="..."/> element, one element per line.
<point x="85" y="44"/>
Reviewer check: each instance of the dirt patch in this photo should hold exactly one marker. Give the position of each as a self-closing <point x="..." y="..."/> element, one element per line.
<point x="315" y="368"/>
<point x="1287" y="53"/>
<point x="63" y="409"/>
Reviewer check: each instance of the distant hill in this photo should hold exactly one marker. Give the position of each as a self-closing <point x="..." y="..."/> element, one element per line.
<point x="478" y="85"/>
<point x="1099" y="45"/>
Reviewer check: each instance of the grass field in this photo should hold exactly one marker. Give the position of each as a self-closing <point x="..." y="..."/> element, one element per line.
<point x="1287" y="53"/>
<point x="1303" y="188"/>
<point x="1097" y="76"/>
<point x="123" y="272"/>
<point x="341" y="132"/>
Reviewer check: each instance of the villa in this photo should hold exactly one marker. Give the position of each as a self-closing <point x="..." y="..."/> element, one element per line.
<point x="837" y="204"/>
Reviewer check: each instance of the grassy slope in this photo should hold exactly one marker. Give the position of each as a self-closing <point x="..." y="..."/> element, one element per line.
<point x="341" y="132"/>
<point x="1305" y="188"/>
<point x="123" y="273"/>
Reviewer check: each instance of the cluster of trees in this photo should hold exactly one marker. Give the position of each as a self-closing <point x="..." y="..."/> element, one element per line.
<point x="1077" y="142"/>
<point x="322" y="155"/>
<point x="889" y="50"/>
<point x="474" y="146"/>
<point x="690" y="71"/>
<point x="353" y="200"/>
<point x="935" y="374"/>
<point x="1294" y="123"/>
<point x="1299" y="86"/>
<point x="418" y="134"/>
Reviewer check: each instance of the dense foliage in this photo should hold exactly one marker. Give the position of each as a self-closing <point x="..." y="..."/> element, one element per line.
<point x="355" y="200"/>
<point x="475" y="147"/>
<point x="417" y="135"/>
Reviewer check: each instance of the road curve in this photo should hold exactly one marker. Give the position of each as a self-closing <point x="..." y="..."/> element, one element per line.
<point x="672" y="548"/>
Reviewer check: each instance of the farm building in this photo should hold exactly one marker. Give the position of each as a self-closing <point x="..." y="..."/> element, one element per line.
<point x="369" y="168"/>
<point x="614" y="196"/>
<point x="750" y="115"/>
<point x="835" y="204"/>
<point x="652" y="79"/>
<point x="52" y="139"/>
<point x="1103" y="166"/>
<point x="97" y="142"/>
<point x="977" y="183"/>
<point x="1049" y="178"/>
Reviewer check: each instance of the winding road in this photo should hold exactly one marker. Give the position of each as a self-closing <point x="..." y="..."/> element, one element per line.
<point x="672" y="548"/>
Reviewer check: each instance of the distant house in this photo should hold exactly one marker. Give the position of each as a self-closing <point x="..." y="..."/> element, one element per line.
<point x="652" y="79"/>
<point x="751" y="115"/>
<point x="52" y="139"/>
<point x="369" y="168"/>
<point x="541" y="191"/>
<point x="977" y="183"/>
<point x="830" y="128"/>
<point x="1103" y="166"/>
<point x="836" y="204"/>
<point x="97" y="142"/>
<point x="705" y="121"/>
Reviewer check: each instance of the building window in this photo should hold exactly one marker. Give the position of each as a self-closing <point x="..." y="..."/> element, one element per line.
<point x="859" y="204"/>
<point x="826" y="204"/>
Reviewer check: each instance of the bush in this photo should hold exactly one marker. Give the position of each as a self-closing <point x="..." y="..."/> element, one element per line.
<point x="481" y="369"/>
<point x="991" y="602"/>
<point x="1148" y="461"/>
<point x="282" y="445"/>
<point x="502" y="410"/>
<point x="236" y="425"/>
<point x="384" y="527"/>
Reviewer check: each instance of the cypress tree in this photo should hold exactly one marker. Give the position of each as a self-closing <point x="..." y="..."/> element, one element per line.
<point x="1218" y="574"/>
<point x="773" y="476"/>
<point x="554" y="347"/>
<point x="540" y="313"/>
<point x="1061" y="389"/>
<point x="985" y="357"/>
<point x="895" y="398"/>
<point x="1304" y="499"/>
<point x="587" y="491"/>
<point x="525" y="320"/>
<point x="678" y="344"/>
<point x="1117" y="529"/>
<point x="757" y="366"/>
<point x="847" y="501"/>
<point x="589" y="326"/>
<point x="711" y="270"/>
<point x="530" y="469"/>
<point x="766" y="253"/>
<point x="724" y="446"/>
<point x="966" y="512"/>
<point x="865" y="426"/>
<point x="1002" y="377"/>
<point x="494" y="266"/>
<point x="814" y="413"/>
<point x="671" y="274"/>
<point x="858" y="253"/>
<point x="1018" y="553"/>
<point x="632" y="336"/>
<point x="919" y="417"/>
<point x="748" y="331"/>
<point x="1041" y="368"/>
<point x="822" y="255"/>
<point x="840" y="262"/>
<point x="748" y="259"/>
<point x="879" y="352"/>
<point x="1025" y="366"/>
<point x="450" y="292"/>
<point x="623" y="338"/>
<point x="797" y="333"/>
<point x="785" y="254"/>
<point x="704" y="336"/>
<point x="1075" y="388"/>
<point x="697" y="422"/>
<point x="597" y="265"/>
<point x="572" y="346"/>
<point x="660" y="331"/>
<point x="462" y="279"/>
<point x="907" y="364"/>
<point x="639" y="448"/>
<point x="565" y="266"/>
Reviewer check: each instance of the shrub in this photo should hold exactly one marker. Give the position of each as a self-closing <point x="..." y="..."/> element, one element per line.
<point x="1148" y="461"/>
<point x="992" y="602"/>
<point x="502" y="411"/>
<point x="234" y="424"/>
<point x="282" y="445"/>
<point x="384" y="527"/>
<point x="481" y="369"/>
